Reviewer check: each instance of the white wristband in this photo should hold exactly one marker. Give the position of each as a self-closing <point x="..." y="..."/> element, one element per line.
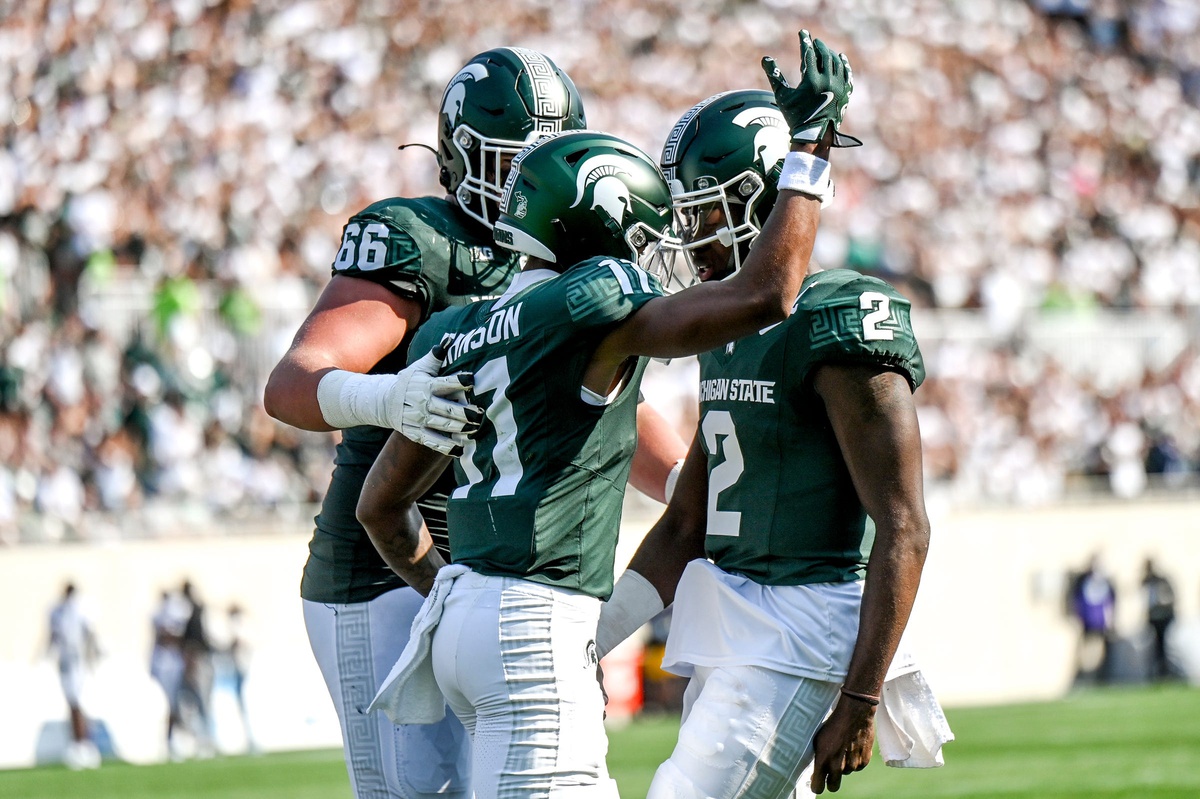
<point x="347" y="399"/>
<point x="634" y="602"/>
<point x="672" y="479"/>
<point x="807" y="174"/>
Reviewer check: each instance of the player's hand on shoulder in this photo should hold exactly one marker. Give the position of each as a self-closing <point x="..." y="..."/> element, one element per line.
<point x="819" y="99"/>
<point x="436" y="411"/>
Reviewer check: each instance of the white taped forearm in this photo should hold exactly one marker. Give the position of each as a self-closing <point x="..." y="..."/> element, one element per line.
<point x="807" y="174"/>
<point x="347" y="399"/>
<point x="634" y="602"/>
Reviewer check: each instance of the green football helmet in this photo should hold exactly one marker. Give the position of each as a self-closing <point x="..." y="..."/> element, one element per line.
<point x="580" y="194"/>
<point x="727" y="152"/>
<point x="502" y="100"/>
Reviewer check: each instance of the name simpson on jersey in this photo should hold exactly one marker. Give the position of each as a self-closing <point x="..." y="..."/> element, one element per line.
<point x="737" y="390"/>
<point x="501" y="326"/>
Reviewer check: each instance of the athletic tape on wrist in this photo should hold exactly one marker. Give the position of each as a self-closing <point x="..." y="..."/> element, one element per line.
<point x="807" y="174"/>
<point x="634" y="602"/>
<point x="347" y="399"/>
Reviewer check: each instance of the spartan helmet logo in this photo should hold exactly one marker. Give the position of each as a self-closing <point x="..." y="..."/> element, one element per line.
<point x="456" y="92"/>
<point x="771" y="141"/>
<point x="609" y="192"/>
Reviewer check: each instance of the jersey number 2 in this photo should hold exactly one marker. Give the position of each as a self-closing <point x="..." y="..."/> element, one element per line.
<point x="880" y="309"/>
<point x="725" y="474"/>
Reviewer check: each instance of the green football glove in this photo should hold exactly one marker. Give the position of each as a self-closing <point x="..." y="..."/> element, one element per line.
<point x="820" y="98"/>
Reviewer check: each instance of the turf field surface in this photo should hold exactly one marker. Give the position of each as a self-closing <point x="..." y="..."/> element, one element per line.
<point x="1120" y="743"/>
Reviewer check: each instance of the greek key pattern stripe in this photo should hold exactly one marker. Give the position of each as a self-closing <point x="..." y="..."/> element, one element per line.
<point x="548" y="97"/>
<point x="528" y="659"/>
<point x="352" y="631"/>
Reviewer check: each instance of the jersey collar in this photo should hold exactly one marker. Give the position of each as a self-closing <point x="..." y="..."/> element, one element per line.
<point x="524" y="280"/>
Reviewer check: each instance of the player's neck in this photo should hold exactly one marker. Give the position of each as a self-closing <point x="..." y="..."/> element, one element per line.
<point x="532" y="262"/>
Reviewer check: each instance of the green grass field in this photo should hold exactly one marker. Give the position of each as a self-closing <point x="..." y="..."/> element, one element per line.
<point x="1116" y="743"/>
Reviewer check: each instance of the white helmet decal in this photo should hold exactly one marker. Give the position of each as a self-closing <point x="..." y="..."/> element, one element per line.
<point x="610" y="193"/>
<point x="771" y="141"/>
<point x="456" y="92"/>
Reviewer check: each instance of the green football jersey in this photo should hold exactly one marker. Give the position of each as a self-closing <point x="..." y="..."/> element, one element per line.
<point x="782" y="509"/>
<point x="542" y="483"/>
<point x="429" y="251"/>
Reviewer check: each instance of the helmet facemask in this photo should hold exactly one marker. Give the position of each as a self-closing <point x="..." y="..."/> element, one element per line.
<point x="659" y="254"/>
<point x="487" y="163"/>
<point x="736" y="198"/>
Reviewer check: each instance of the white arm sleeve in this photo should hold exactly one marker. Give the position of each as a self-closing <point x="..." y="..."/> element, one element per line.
<point x="634" y="602"/>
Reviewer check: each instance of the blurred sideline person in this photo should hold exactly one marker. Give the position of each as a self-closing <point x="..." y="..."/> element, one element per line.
<point x="401" y="260"/>
<point x="195" y="690"/>
<point x="166" y="657"/>
<point x="73" y="640"/>
<point x="805" y="472"/>
<point x="1094" y="603"/>
<point x="236" y="658"/>
<point x="557" y="362"/>
<point x="1160" y="615"/>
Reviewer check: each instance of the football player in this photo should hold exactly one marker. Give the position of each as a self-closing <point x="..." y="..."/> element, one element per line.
<point x="806" y="467"/>
<point x="402" y="259"/>
<point x="507" y="634"/>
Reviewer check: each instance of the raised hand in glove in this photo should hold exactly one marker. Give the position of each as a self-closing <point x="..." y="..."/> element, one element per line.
<point x="819" y="98"/>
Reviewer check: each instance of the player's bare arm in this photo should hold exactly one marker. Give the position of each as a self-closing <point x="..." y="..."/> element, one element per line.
<point x="354" y="324"/>
<point x="677" y="538"/>
<point x="387" y="509"/>
<point x="875" y="421"/>
<point x="659" y="451"/>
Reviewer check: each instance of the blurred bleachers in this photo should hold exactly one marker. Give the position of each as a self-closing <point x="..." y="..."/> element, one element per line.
<point x="175" y="175"/>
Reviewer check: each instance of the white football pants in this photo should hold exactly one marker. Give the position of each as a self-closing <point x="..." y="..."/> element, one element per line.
<point x="516" y="661"/>
<point x="355" y="646"/>
<point x="746" y="733"/>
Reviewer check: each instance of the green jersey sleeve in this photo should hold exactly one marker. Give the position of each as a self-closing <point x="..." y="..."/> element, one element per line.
<point x="604" y="291"/>
<point x="376" y="246"/>
<point x="424" y="249"/>
<point x="853" y="318"/>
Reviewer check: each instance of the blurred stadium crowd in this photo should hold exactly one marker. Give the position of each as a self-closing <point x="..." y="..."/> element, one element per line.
<point x="175" y="175"/>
